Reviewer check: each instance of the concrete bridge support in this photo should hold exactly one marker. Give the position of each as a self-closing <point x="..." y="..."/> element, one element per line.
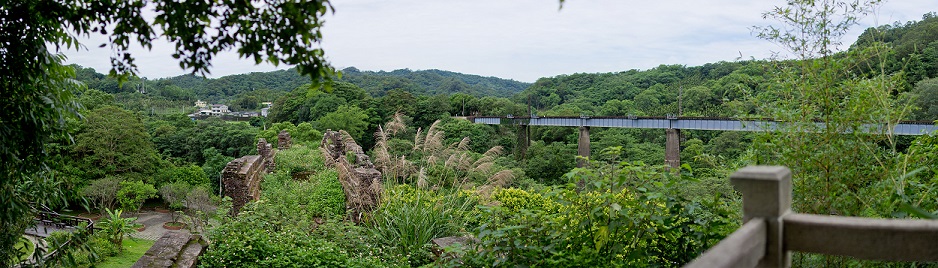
<point x="672" y="148"/>
<point x="523" y="142"/>
<point x="583" y="146"/>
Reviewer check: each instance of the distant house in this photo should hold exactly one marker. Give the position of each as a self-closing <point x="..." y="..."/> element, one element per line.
<point x="201" y="104"/>
<point x="220" y="109"/>
<point x="268" y="104"/>
<point x="265" y="111"/>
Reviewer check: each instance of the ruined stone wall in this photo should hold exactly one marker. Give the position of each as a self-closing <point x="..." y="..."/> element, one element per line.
<point x="283" y="140"/>
<point x="174" y="250"/>
<point x="361" y="182"/>
<point x="242" y="177"/>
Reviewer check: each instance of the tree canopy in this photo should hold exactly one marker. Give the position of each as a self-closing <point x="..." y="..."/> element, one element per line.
<point x="38" y="89"/>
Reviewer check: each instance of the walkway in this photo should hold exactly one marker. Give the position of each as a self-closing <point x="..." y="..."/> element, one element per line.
<point x="153" y="220"/>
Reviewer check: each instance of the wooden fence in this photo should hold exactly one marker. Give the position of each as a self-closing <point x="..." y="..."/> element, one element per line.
<point x="771" y="231"/>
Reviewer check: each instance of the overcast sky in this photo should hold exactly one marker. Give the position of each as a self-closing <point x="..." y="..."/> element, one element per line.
<point x="523" y="39"/>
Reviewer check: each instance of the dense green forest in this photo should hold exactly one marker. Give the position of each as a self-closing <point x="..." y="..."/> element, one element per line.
<point x="445" y="176"/>
<point x="245" y="91"/>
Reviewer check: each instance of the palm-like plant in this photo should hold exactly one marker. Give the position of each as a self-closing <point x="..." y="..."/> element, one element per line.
<point x="117" y="227"/>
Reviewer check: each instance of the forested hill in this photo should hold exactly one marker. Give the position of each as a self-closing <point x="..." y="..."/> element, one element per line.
<point x="425" y="82"/>
<point x="909" y="51"/>
<point x="431" y="82"/>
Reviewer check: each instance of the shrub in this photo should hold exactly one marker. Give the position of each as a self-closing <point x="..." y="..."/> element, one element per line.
<point x="409" y="218"/>
<point x="600" y="223"/>
<point x="133" y="193"/>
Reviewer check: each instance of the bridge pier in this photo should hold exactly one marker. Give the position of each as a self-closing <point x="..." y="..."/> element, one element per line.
<point x="521" y="149"/>
<point x="672" y="148"/>
<point x="583" y="146"/>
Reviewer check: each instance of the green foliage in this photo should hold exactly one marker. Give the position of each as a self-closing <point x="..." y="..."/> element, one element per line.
<point x="215" y="162"/>
<point x="174" y="194"/>
<point x="115" y="141"/>
<point x="926" y="98"/>
<point x="623" y="216"/>
<point x="431" y="82"/>
<point x="190" y="174"/>
<point x="409" y="218"/>
<point x="103" y="192"/>
<point x="86" y="249"/>
<point x="275" y="232"/>
<point x="349" y="118"/>
<point x="190" y="142"/>
<point x="117" y="227"/>
<point x="245" y="243"/>
<point x="202" y="207"/>
<point x="304" y="133"/>
<point x="516" y="200"/>
<point x="819" y="86"/>
<point x="133" y="193"/>
<point x="300" y="158"/>
<point x="92" y="99"/>
<point x="548" y="162"/>
<point x="319" y="195"/>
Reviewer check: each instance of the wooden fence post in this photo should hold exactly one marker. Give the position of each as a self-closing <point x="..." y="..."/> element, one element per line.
<point x="767" y="195"/>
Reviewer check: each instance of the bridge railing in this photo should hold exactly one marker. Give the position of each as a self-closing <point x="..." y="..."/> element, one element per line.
<point x="771" y="231"/>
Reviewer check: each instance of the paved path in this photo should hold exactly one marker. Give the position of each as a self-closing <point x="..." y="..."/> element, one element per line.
<point x="154" y="222"/>
<point x="151" y="219"/>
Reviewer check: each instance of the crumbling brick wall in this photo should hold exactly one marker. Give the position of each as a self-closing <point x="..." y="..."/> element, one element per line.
<point x="283" y="140"/>
<point x="242" y="177"/>
<point x="361" y="182"/>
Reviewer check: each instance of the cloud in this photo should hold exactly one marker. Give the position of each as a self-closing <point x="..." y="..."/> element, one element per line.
<point x="525" y="39"/>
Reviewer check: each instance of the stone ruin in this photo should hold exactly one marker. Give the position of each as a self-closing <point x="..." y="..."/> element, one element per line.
<point x="241" y="178"/>
<point x="360" y="180"/>
<point x="173" y="249"/>
<point x="283" y="140"/>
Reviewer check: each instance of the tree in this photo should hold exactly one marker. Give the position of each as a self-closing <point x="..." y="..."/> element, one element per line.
<point x="201" y="207"/>
<point x="133" y="193"/>
<point x="104" y="191"/>
<point x="174" y="194"/>
<point x="115" y="141"/>
<point x="38" y="91"/>
<point x="191" y="175"/>
<point x="926" y="98"/>
<point x="820" y="86"/>
<point x="92" y="99"/>
<point x="348" y="118"/>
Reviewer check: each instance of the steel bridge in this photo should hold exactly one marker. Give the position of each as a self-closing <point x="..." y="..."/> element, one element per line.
<point x="673" y="125"/>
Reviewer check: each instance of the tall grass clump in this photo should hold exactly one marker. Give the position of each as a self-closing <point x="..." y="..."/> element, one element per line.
<point x="432" y="164"/>
<point x="409" y="218"/>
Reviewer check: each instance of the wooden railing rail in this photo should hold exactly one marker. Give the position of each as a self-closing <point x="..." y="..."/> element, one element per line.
<point x="743" y="248"/>
<point x="777" y="231"/>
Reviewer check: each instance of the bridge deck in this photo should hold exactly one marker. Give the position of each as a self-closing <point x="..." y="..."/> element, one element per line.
<point x="693" y="123"/>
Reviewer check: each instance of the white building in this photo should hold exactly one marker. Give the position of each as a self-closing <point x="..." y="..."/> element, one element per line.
<point x="220" y="109"/>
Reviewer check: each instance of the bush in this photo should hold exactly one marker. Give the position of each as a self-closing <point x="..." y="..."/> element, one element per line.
<point x="409" y="218"/>
<point x="133" y="193"/>
<point x="245" y="243"/>
<point x="600" y="223"/>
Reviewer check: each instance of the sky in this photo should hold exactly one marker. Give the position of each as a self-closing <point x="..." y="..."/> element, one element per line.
<point x="522" y="39"/>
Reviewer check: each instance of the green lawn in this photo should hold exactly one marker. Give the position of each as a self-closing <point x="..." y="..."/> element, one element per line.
<point x="133" y="250"/>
